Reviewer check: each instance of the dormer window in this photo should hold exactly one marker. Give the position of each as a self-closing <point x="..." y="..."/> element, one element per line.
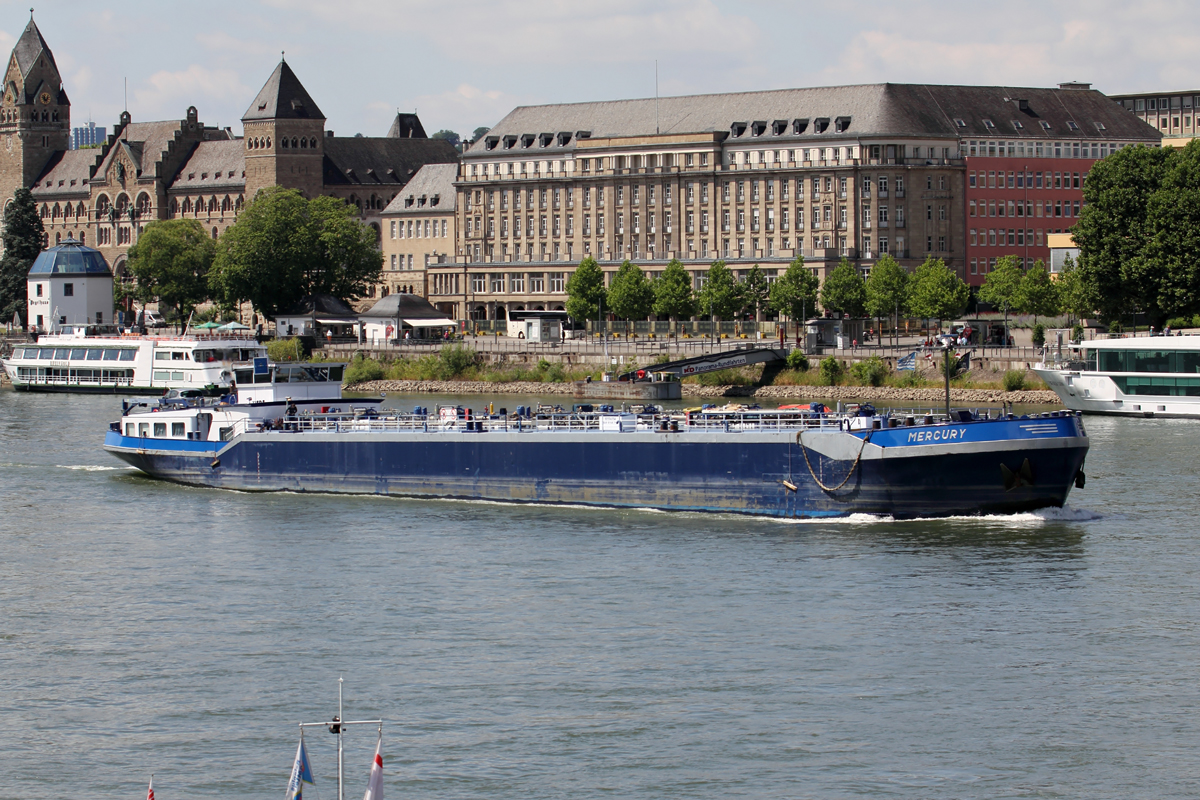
<point x="961" y="123"/>
<point x="546" y="139"/>
<point x="820" y="124"/>
<point x="738" y="128"/>
<point x="583" y="134"/>
<point x="527" y="140"/>
<point x="490" y="142"/>
<point x="842" y="124"/>
<point x="408" y="201"/>
<point x="564" y="139"/>
<point x="799" y="126"/>
<point x="758" y="128"/>
<point x="436" y="199"/>
<point x="421" y="201"/>
<point x="509" y="142"/>
<point x="779" y="126"/>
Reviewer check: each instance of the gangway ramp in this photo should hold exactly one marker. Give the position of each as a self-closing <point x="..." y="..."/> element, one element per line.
<point x="710" y="362"/>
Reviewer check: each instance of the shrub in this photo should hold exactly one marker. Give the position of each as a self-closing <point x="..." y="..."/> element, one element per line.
<point x="1196" y="321"/>
<point x="798" y="361"/>
<point x="455" y="360"/>
<point x="1077" y="333"/>
<point x="543" y="365"/>
<point x="1179" y="322"/>
<point x="723" y="377"/>
<point x="1114" y="327"/>
<point x="285" y="350"/>
<point x="1039" y="335"/>
<point x="871" y="372"/>
<point x="362" y="370"/>
<point x="831" y="371"/>
<point x="1014" y="380"/>
<point x="556" y="374"/>
<point x="909" y="380"/>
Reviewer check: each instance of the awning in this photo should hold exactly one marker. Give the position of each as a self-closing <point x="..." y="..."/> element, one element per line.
<point x="338" y="320"/>
<point x="431" y="323"/>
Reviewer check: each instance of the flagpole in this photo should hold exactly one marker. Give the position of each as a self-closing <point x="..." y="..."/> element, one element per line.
<point x="341" y="794"/>
<point x="338" y="726"/>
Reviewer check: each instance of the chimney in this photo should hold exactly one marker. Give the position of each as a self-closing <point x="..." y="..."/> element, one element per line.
<point x="1075" y="85"/>
<point x="1023" y="105"/>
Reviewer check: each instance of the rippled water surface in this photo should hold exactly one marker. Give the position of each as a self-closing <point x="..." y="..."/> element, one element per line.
<point x="524" y="652"/>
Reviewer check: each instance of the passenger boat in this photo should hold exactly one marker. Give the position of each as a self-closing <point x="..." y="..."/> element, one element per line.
<point x="1157" y="376"/>
<point x="99" y="358"/>
<point x="796" y="463"/>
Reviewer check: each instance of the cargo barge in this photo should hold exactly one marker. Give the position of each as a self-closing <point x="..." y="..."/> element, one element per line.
<point x="781" y="463"/>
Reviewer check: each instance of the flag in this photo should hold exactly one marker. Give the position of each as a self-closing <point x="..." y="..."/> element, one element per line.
<point x="150" y="791"/>
<point x="907" y="362"/>
<point x="964" y="362"/>
<point x="375" y="785"/>
<point x="301" y="773"/>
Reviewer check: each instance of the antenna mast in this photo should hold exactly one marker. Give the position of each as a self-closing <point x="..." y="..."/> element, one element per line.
<point x="656" y="131"/>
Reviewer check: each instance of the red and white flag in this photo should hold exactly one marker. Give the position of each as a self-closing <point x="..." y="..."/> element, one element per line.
<point x="375" y="785"/>
<point x="150" y="791"/>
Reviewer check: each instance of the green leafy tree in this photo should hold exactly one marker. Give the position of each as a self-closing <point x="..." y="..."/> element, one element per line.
<point x="795" y="292"/>
<point x="845" y="291"/>
<point x="284" y="247"/>
<point x="170" y="264"/>
<point x="449" y="135"/>
<point x="1001" y="286"/>
<point x="673" y="297"/>
<point x="1074" y="294"/>
<point x="887" y="289"/>
<point x="585" y="290"/>
<point x="630" y="295"/>
<point x="479" y="133"/>
<point x="23" y="239"/>
<point x="1037" y="294"/>
<point x="720" y="296"/>
<point x="1124" y="210"/>
<point x="937" y="292"/>
<point x="756" y="293"/>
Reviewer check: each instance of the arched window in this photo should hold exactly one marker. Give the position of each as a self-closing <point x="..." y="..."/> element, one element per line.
<point x="199" y="206"/>
<point x="56" y="211"/>
<point x="102" y="206"/>
<point x="122" y="204"/>
<point x="214" y="233"/>
<point x="268" y="142"/>
<point x="58" y="238"/>
<point x="283" y="142"/>
<point x="143" y="205"/>
<point x="174" y="206"/>
<point x="212" y="205"/>
<point x="240" y="202"/>
<point x="294" y="142"/>
<point x="226" y="205"/>
<point x="187" y="205"/>
<point x="83" y="237"/>
<point x="68" y="210"/>
<point x="45" y="211"/>
<point x="80" y="211"/>
<point x="303" y="142"/>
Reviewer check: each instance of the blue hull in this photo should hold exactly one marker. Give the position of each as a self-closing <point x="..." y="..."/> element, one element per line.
<point x="973" y="468"/>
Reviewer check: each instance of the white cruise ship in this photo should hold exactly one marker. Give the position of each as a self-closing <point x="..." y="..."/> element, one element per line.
<point x="96" y="358"/>
<point x="1148" y="376"/>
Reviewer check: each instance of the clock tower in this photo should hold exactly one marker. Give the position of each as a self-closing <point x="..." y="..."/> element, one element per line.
<point x="35" y="114"/>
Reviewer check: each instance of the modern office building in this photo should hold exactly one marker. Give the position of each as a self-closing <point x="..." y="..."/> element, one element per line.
<point x="1174" y="114"/>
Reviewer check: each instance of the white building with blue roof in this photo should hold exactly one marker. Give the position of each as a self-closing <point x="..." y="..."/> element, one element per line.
<point x="69" y="284"/>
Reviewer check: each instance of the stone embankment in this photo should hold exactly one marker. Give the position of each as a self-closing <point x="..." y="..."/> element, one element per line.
<point x="878" y="394"/>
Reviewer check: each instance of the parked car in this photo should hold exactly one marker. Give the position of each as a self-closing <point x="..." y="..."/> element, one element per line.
<point x="151" y="319"/>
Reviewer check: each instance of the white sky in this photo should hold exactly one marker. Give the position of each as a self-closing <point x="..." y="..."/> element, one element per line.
<point x="465" y="63"/>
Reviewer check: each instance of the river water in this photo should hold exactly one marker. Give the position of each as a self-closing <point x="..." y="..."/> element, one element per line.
<point x="524" y="652"/>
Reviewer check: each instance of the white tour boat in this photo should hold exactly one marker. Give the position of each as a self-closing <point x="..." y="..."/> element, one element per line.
<point x="1147" y="376"/>
<point x="99" y="358"/>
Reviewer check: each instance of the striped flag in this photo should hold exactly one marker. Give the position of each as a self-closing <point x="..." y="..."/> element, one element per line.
<point x="150" y="791"/>
<point x="375" y="785"/>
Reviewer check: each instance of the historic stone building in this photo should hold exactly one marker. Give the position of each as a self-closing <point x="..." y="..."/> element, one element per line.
<point x="420" y="230"/>
<point x="761" y="177"/>
<point x="184" y="169"/>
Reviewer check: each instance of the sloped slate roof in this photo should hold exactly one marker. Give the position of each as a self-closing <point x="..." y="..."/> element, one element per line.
<point x="325" y="304"/>
<point x="407" y="306"/>
<point x="217" y="164"/>
<point x="431" y="181"/>
<point x="871" y="110"/>
<point x="67" y="173"/>
<point x="283" y="97"/>
<point x="367" y="161"/>
<point x="407" y="126"/>
<point x="70" y="257"/>
<point x="150" y="140"/>
<point x="29" y="47"/>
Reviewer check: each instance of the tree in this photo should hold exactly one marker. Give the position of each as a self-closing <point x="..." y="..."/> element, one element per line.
<point x="23" y="239"/>
<point x="844" y="291"/>
<point x="479" y="133"/>
<point x="284" y="247"/>
<point x="1074" y="295"/>
<point x="887" y="289"/>
<point x="756" y="293"/>
<point x="673" y="296"/>
<point x="1124" y="209"/>
<point x="1001" y="285"/>
<point x="449" y="135"/>
<point x="170" y="263"/>
<point x="1037" y="294"/>
<point x="795" y="292"/>
<point x="720" y="297"/>
<point x="936" y="291"/>
<point x="630" y="295"/>
<point x="585" y="290"/>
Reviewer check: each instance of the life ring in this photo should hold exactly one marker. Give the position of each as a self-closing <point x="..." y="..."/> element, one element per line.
<point x="641" y="373"/>
<point x="520" y="334"/>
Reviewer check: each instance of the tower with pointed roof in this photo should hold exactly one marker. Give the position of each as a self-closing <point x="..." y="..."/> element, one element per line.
<point x="284" y="137"/>
<point x="35" y="114"/>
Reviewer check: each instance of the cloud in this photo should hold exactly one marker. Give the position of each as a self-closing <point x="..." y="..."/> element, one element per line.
<point x="462" y="109"/>
<point x="223" y="42"/>
<point x="165" y="94"/>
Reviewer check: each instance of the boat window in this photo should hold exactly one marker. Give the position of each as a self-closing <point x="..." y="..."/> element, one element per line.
<point x="1089" y="357"/>
<point x="243" y="376"/>
<point x="94" y="355"/>
<point x="162" y="355"/>
<point x="1170" y="361"/>
<point x="204" y="356"/>
<point x="226" y="434"/>
<point x="128" y="355"/>
<point x="177" y="355"/>
<point x="62" y="354"/>
<point x="335" y="373"/>
<point x="47" y="354"/>
<point x="143" y="429"/>
<point x="129" y="429"/>
<point x="79" y="354"/>
<point x="177" y="429"/>
<point x="111" y="355"/>
<point x="160" y="430"/>
<point x="176" y="376"/>
<point x="281" y="374"/>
